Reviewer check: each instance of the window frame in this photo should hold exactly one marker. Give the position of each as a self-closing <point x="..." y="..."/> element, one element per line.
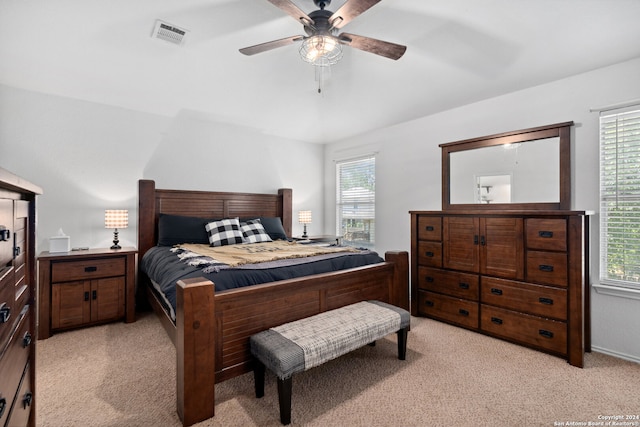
<point x="619" y="140"/>
<point x="368" y="199"/>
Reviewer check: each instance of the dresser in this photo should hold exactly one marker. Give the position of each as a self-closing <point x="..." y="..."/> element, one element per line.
<point x="515" y="275"/>
<point x="17" y="297"/>
<point x="86" y="287"/>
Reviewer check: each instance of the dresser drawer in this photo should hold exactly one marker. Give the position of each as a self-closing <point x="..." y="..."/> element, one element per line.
<point x="546" y="234"/>
<point x="13" y="361"/>
<point x="461" y="285"/>
<point x="21" y="410"/>
<point x="430" y="228"/>
<point x="533" y="299"/>
<point x="87" y="269"/>
<point x="7" y="310"/>
<point x="450" y="309"/>
<point x="430" y="254"/>
<point x="546" y="334"/>
<point x="547" y="267"/>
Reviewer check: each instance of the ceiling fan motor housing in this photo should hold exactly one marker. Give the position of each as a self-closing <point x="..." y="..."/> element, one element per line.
<point x="322" y="3"/>
<point x="321" y="25"/>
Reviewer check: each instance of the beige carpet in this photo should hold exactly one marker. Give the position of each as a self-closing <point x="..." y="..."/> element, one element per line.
<point x="124" y="375"/>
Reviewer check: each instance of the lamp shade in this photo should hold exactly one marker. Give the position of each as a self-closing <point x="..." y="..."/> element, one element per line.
<point x="116" y="218"/>
<point x="304" y="217"/>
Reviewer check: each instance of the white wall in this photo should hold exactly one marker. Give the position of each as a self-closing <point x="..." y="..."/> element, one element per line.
<point x="89" y="157"/>
<point x="408" y="170"/>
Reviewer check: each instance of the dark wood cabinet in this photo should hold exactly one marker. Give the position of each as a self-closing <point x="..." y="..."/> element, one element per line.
<point x="17" y="300"/>
<point x="85" y="288"/>
<point x="519" y="275"/>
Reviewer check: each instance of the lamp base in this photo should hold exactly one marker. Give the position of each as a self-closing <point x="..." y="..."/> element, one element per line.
<point x="115" y="240"/>
<point x="304" y="232"/>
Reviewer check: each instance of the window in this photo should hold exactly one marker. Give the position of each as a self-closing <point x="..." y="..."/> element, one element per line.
<point x="356" y="201"/>
<point x="620" y="197"/>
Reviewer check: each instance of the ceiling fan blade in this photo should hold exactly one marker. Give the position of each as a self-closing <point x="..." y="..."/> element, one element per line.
<point x="350" y="10"/>
<point x="379" y="47"/>
<point x="292" y="10"/>
<point x="263" y="47"/>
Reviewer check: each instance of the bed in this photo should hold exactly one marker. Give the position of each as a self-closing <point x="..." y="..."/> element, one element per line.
<point x="212" y="328"/>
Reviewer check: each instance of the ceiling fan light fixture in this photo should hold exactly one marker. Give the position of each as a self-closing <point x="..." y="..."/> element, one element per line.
<point x="321" y="50"/>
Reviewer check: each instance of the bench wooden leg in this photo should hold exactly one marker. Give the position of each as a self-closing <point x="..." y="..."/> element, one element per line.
<point x="402" y="343"/>
<point x="258" y="378"/>
<point x="284" y="398"/>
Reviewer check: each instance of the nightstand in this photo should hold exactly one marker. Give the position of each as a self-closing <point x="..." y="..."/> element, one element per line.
<point x="86" y="287"/>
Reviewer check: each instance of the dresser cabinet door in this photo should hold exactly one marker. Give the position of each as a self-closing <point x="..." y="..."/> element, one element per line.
<point x="502" y="247"/>
<point x="461" y="243"/>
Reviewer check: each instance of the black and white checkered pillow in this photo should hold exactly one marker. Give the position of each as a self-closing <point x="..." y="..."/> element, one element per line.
<point x="254" y="232"/>
<point x="224" y="232"/>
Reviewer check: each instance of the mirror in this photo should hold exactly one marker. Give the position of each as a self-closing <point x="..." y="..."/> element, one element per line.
<point x="526" y="169"/>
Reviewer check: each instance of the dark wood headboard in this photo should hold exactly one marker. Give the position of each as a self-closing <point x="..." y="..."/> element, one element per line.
<point x="205" y="204"/>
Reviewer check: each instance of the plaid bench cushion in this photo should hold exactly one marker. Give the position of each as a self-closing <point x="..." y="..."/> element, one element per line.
<point x="297" y="346"/>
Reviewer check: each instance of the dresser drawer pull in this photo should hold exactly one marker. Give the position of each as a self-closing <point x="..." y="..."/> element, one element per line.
<point x="496" y="320"/>
<point x="5" y="312"/>
<point x="429" y="279"/>
<point x="475" y="239"/>
<point x="545" y="333"/>
<point x="463" y="285"/>
<point x="26" y="400"/>
<point x="90" y="269"/>
<point x="463" y="312"/>
<point x="428" y="303"/>
<point x="429" y="254"/>
<point x="429" y="228"/>
<point x="547" y="301"/>
<point x="545" y="267"/>
<point x="545" y="234"/>
<point x="86" y="296"/>
<point x="26" y="340"/>
<point x="496" y="291"/>
<point x="3" y="406"/>
<point x="94" y="294"/>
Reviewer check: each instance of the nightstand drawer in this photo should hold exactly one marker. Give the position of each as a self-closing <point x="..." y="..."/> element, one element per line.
<point x="87" y="269"/>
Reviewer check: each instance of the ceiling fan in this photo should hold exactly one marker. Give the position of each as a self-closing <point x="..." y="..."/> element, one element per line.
<point x="322" y="45"/>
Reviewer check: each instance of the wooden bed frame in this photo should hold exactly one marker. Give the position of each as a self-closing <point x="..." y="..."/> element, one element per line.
<point x="212" y="329"/>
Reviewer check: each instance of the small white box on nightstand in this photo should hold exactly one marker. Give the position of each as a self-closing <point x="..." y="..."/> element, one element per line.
<point x="59" y="244"/>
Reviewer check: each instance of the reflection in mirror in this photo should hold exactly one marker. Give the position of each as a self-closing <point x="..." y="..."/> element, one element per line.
<point x="493" y="189"/>
<point x="523" y="172"/>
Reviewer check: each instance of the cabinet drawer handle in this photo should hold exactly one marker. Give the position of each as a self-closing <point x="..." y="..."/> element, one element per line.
<point x="496" y="320"/>
<point x="94" y="294"/>
<point x="463" y="312"/>
<point x="545" y="333"/>
<point x="5" y="312"/>
<point x="496" y="291"/>
<point x="463" y="285"/>
<point x="545" y="234"/>
<point x="26" y="340"/>
<point x="483" y="241"/>
<point x="90" y="269"/>
<point x="429" y="254"/>
<point x="428" y="303"/>
<point x="475" y="239"/>
<point x="26" y="400"/>
<point x="429" y="279"/>
<point x="429" y="227"/>
<point x="545" y="267"/>
<point x="86" y="296"/>
<point x="547" y="301"/>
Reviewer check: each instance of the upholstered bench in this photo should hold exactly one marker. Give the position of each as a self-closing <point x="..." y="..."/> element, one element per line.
<point x="297" y="346"/>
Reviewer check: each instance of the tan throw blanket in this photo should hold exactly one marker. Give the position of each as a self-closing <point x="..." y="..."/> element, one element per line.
<point x="253" y="253"/>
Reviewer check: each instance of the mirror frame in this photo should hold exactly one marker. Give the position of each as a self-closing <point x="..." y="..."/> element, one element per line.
<point x="561" y="130"/>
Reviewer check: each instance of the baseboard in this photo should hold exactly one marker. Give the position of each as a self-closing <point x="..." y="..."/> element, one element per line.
<point x="616" y="354"/>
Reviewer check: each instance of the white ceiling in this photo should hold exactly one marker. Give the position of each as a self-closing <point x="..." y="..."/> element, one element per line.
<point x="458" y="52"/>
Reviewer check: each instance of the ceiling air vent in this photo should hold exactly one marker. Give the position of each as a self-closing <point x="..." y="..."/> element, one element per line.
<point x="169" y="33"/>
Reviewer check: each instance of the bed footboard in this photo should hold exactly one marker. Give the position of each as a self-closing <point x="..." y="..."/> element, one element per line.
<point x="213" y="329"/>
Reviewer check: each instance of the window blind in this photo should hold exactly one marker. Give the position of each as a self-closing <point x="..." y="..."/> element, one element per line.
<point x="620" y="197"/>
<point x="356" y="200"/>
